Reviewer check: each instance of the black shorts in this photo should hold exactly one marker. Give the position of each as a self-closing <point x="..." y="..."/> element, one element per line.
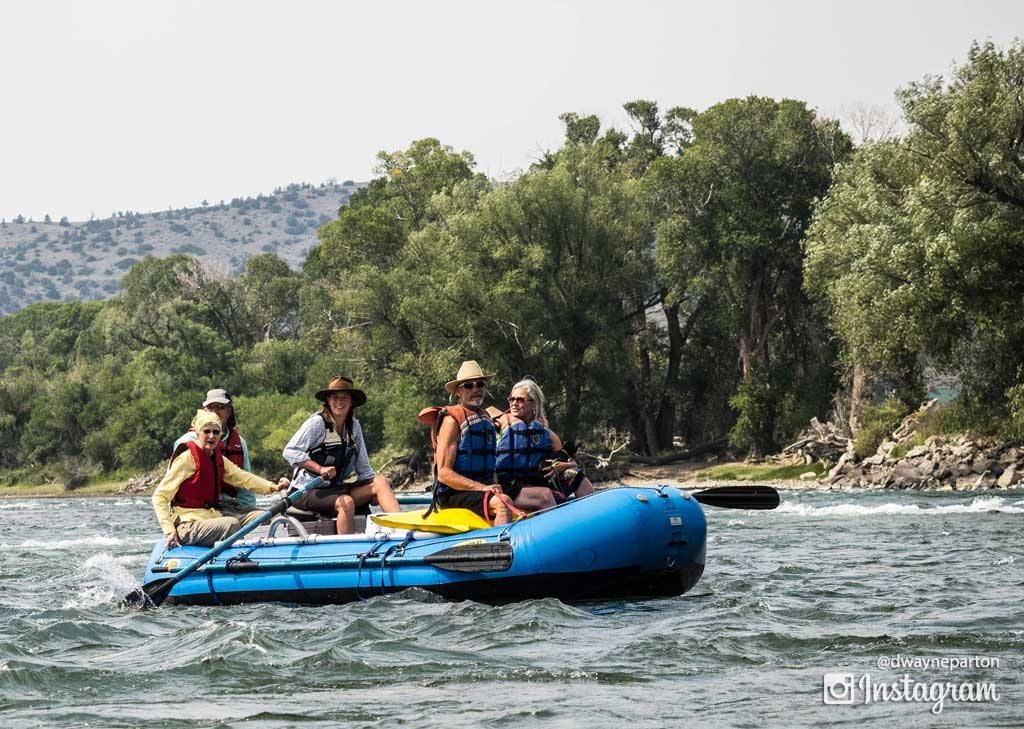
<point x="451" y="498"/>
<point x="321" y="501"/>
<point x="473" y="500"/>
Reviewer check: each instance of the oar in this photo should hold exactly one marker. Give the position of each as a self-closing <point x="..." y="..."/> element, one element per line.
<point x="414" y="499"/>
<point x="727" y="497"/>
<point x="154" y="593"/>
<point x="484" y="557"/>
<point x="739" y="497"/>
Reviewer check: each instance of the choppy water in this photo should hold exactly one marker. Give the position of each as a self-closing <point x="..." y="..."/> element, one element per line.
<point x="826" y="583"/>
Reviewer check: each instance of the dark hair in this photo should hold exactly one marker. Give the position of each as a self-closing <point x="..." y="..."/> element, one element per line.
<point x="325" y="413"/>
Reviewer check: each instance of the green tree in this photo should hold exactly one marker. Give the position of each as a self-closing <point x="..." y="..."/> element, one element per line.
<point x="917" y="249"/>
<point x="736" y="204"/>
<point x="569" y="266"/>
<point x="370" y="302"/>
<point x="270" y="297"/>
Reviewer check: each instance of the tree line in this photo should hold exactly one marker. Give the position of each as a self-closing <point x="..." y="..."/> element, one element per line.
<point x="706" y="276"/>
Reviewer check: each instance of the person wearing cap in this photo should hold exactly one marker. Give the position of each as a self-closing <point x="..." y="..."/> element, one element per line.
<point x="330" y="444"/>
<point x="464" y="455"/>
<point x="186" y="499"/>
<point x="233" y="502"/>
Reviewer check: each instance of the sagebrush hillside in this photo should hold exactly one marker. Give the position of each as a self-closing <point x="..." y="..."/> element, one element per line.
<point x="62" y="260"/>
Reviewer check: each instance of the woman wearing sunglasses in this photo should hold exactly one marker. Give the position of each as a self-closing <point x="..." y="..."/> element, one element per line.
<point x="529" y="454"/>
<point x="464" y="455"/>
<point x="233" y="502"/>
<point x="186" y="499"/>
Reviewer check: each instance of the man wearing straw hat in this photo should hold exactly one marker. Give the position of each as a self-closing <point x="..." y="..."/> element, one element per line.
<point x="464" y="456"/>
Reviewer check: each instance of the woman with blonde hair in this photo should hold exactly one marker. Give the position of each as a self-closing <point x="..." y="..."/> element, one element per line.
<point x="529" y="455"/>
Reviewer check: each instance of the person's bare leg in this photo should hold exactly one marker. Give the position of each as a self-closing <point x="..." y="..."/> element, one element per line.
<point x="585" y="488"/>
<point x="500" y="511"/>
<point x="535" y="498"/>
<point x="346" y="520"/>
<point x="384" y="495"/>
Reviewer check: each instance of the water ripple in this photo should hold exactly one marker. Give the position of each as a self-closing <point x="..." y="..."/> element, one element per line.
<point x="827" y="582"/>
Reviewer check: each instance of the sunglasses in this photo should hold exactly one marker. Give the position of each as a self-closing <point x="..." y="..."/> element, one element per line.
<point x="473" y="385"/>
<point x="519" y="399"/>
<point x="211" y="431"/>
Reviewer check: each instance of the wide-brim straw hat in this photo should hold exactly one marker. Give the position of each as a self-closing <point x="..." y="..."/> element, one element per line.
<point x="469" y="370"/>
<point x="342" y="384"/>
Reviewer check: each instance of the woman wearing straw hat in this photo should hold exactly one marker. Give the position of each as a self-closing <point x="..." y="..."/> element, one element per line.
<point x="464" y="456"/>
<point x="330" y="445"/>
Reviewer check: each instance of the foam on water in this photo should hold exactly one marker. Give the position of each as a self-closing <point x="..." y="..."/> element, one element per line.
<point x="19" y="505"/>
<point x="105" y="579"/>
<point x="979" y="505"/>
<point x="95" y="540"/>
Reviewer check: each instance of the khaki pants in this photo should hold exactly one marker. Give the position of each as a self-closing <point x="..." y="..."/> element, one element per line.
<point x="207" y="532"/>
<point x="233" y="508"/>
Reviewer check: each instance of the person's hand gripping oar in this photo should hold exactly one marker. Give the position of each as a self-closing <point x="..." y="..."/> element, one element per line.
<point x="154" y="593"/>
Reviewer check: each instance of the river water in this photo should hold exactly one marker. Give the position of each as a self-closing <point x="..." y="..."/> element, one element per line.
<point x="827" y="583"/>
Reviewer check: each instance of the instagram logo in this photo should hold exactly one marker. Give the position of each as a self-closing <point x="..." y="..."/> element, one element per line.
<point x="838" y="688"/>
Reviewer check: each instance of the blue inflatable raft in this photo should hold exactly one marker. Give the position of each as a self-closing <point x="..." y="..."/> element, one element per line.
<point x="621" y="542"/>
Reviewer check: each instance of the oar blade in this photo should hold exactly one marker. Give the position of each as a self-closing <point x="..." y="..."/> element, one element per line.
<point x="147" y="596"/>
<point x="135" y="600"/>
<point x="739" y="497"/>
<point x="478" y="557"/>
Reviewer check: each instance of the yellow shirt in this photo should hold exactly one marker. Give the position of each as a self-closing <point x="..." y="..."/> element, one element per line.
<point x="182" y="468"/>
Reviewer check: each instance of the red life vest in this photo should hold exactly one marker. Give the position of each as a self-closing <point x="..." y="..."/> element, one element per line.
<point x="233" y="448"/>
<point x="202" y="489"/>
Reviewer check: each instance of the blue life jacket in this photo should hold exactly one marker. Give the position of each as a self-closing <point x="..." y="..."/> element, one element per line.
<point x="522" y="447"/>
<point x="474" y="456"/>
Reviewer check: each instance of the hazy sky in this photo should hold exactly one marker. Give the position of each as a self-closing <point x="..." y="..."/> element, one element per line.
<point x="142" y="104"/>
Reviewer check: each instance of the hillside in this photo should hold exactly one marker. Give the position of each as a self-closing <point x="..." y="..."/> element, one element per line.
<point x="48" y="260"/>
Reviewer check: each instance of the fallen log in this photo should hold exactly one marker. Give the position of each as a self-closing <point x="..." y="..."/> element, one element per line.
<point x="661" y="460"/>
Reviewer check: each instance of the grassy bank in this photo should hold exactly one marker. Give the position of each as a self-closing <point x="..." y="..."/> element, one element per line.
<point x="752" y="472"/>
<point x="55" y="490"/>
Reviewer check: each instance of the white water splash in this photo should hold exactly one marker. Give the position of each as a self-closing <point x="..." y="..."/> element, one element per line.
<point x="4" y="506"/>
<point x="980" y="505"/>
<point x="96" y="540"/>
<point x="104" y="579"/>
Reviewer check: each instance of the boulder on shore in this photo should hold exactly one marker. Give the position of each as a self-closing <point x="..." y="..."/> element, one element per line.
<point x="943" y="463"/>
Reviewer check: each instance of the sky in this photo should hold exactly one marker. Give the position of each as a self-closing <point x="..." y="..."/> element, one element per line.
<point x="110" y="105"/>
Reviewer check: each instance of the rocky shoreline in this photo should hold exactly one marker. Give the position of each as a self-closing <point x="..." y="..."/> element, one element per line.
<point x="903" y="461"/>
<point x="940" y="464"/>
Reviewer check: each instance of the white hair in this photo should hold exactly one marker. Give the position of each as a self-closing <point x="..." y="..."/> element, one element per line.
<point x="535" y="394"/>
